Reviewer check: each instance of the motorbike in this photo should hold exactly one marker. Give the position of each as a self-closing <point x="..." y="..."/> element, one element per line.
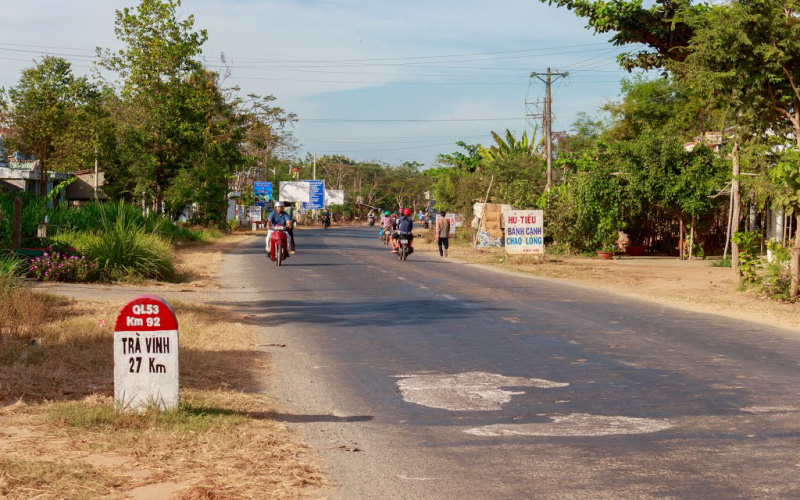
<point x="279" y="245"/>
<point x="404" y="246"/>
<point x="386" y="236"/>
<point x="326" y="222"/>
<point x="371" y="220"/>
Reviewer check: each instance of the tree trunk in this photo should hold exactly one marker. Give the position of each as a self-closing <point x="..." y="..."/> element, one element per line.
<point x="680" y="236"/>
<point x="691" y="238"/>
<point x="795" y="261"/>
<point x="736" y="206"/>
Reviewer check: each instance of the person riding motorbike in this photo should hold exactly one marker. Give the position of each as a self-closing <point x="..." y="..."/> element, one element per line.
<point x="386" y="223"/>
<point x="326" y="218"/>
<point x="405" y="225"/>
<point x="278" y="217"/>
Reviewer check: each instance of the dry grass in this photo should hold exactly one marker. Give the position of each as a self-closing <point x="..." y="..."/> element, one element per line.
<point x="30" y="478"/>
<point x="197" y="263"/>
<point x="220" y="443"/>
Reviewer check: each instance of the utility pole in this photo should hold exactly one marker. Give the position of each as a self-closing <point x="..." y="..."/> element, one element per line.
<point x="96" y="170"/>
<point x="547" y="117"/>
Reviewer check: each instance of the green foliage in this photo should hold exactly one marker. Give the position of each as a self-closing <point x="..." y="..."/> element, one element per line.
<point x="660" y="27"/>
<point x="585" y="212"/>
<point x="10" y="266"/>
<point x="342" y="212"/>
<point x="123" y="249"/>
<point x="777" y="279"/>
<point x="47" y="106"/>
<point x="726" y="262"/>
<point x="748" y="242"/>
<point x="747" y="56"/>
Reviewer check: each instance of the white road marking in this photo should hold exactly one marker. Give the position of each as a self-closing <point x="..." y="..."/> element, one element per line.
<point x="423" y="287"/>
<point x="770" y="409"/>
<point x="471" y="391"/>
<point x="416" y="478"/>
<point x="575" y="424"/>
<point x="401" y="278"/>
<point x="448" y="297"/>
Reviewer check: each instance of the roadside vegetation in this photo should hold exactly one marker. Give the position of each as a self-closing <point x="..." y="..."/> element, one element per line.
<point x="697" y="157"/>
<point x="112" y="241"/>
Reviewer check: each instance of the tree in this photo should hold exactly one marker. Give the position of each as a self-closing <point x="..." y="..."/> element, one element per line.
<point x="660" y="27"/>
<point x="52" y="114"/>
<point x="748" y="54"/>
<point x="160" y="127"/>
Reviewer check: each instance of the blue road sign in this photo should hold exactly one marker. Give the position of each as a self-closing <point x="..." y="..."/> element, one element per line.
<point x="316" y="197"/>
<point x="263" y="193"/>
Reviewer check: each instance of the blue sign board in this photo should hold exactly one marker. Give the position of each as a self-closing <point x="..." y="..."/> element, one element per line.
<point x="316" y="196"/>
<point x="263" y="193"/>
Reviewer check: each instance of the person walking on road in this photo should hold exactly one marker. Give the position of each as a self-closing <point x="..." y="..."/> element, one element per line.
<point x="290" y="229"/>
<point x="443" y="234"/>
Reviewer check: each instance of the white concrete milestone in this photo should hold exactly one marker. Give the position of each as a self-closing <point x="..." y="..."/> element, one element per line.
<point x="575" y="424"/>
<point x="470" y="391"/>
<point x="146" y="355"/>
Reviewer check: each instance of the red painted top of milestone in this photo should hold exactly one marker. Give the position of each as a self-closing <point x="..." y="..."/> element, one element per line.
<point x="146" y="313"/>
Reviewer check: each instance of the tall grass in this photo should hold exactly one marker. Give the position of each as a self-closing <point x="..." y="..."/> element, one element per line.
<point x="125" y="247"/>
<point x="10" y="266"/>
<point x="91" y="218"/>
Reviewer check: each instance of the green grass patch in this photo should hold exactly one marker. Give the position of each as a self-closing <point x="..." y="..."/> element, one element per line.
<point x="726" y="262"/>
<point x="105" y="416"/>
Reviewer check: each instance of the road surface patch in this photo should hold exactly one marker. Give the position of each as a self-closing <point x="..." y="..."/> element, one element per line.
<point x="574" y="425"/>
<point x="470" y="391"/>
<point x="770" y="409"/>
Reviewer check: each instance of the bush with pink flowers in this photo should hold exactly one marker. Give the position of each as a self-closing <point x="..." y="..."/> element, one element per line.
<point x="59" y="264"/>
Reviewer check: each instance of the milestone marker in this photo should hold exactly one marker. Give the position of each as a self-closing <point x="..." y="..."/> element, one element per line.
<point x="146" y="355"/>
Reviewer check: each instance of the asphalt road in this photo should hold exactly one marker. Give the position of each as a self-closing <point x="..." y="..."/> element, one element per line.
<point x="433" y="379"/>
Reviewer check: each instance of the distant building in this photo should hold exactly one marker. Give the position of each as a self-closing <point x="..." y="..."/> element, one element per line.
<point x="82" y="190"/>
<point x="713" y="140"/>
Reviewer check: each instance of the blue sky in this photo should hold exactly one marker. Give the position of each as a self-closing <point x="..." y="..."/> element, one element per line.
<point x="450" y="70"/>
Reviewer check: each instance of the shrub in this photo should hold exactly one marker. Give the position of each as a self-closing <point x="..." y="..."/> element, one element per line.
<point x="10" y="265"/>
<point x="58" y="264"/>
<point x="777" y="280"/>
<point x="748" y="255"/>
<point x="726" y="262"/>
<point x="127" y="252"/>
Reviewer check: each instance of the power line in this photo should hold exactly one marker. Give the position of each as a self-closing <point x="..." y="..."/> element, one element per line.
<point x="403" y="120"/>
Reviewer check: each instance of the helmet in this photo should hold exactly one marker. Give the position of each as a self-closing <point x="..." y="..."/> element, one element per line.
<point x="279" y="204"/>
<point x="406" y="211"/>
<point x="387" y="213"/>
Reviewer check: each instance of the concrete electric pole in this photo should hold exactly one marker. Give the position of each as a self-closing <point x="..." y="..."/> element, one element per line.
<point x="547" y="117"/>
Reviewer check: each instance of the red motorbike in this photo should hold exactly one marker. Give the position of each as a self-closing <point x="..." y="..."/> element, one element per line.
<point x="279" y="245"/>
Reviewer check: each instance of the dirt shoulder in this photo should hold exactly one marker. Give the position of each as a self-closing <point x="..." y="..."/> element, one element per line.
<point x="689" y="285"/>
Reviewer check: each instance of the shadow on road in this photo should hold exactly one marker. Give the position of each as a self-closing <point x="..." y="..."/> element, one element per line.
<point x="363" y="313"/>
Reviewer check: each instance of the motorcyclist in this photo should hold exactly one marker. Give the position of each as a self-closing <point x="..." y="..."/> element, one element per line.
<point x="405" y="225"/>
<point x="326" y="217"/>
<point x="278" y="217"/>
<point x="386" y="223"/>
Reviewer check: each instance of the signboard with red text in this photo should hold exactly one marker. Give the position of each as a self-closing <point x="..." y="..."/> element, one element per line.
<point x="524" y="232"/>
